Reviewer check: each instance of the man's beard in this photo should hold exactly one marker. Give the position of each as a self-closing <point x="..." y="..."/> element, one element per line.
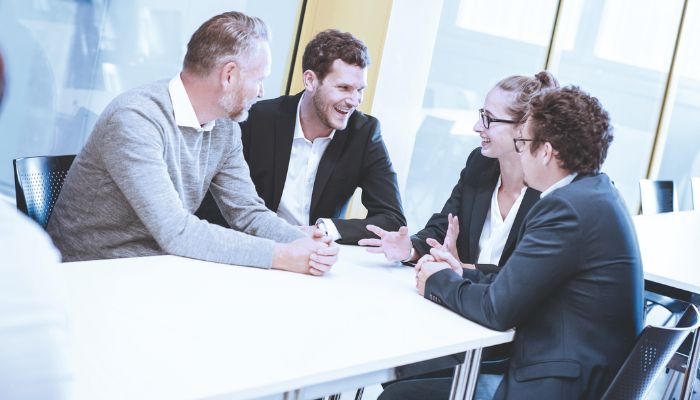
<point x="228" y="102"/>
<point x="318" y="107"/>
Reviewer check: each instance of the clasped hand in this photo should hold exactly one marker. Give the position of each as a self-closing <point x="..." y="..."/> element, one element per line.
<point x="313" y="255"/>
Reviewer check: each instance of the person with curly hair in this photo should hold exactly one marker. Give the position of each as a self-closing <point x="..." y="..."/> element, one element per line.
<point x="573" y="287"/>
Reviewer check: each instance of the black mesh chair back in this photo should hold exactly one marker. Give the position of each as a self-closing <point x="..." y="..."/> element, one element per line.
<point x="657" y="196"/>
<point x="648" y="359"/>
<point x="38" y="181"/>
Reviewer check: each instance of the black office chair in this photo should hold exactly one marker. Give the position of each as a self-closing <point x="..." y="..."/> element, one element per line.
<point x="649" y="357"/>
<point x="38" y="181"/>
<point x="657" y="196"/>
<point x="678" y="367"/>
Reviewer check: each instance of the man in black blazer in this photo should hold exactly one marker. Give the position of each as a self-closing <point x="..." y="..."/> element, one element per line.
<point x="309" y="152"/>
<point x="573" y="286"/>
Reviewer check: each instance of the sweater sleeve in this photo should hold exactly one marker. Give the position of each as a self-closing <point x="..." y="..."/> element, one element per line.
<point x="243" y="209"/>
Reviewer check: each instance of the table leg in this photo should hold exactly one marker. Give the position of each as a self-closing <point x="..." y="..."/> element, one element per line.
<point x="466" y="374"/>
<point x="692" y="368"/>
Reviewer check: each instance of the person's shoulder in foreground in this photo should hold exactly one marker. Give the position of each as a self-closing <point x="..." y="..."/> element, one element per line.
<point x="33" y="331"/>
<point x="33" y="334"/>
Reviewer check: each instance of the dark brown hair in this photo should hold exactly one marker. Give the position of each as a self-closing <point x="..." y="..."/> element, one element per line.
<point x="575" y="124"/>
<point x="524" y="88"/>
<point x="331" y="45"/>
<point x="226" y="37"/>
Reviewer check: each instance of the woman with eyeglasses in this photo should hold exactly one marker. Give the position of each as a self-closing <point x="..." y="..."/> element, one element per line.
<point x="480" y="221"/>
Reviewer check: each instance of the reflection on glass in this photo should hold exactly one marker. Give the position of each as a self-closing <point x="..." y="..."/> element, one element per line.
<point x="615" y="58"/>
<point x="66" y="60"/>
<point x="681" y="151"/>
<point x="478" y="43"/>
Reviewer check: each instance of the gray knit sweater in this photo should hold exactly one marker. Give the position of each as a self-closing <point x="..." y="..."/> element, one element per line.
<point x="134" y="187"/>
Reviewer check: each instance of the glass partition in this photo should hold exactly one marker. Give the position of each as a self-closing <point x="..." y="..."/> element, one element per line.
<point x="66" y="60"/>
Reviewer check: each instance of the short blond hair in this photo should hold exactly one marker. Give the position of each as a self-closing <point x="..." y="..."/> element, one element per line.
<point x="230" y="36"/>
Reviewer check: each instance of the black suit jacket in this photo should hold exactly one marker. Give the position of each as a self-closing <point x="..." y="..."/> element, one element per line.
<point x="572" y="289"/>
<point x="356" y="157"/>
<point x="470" y="201"/>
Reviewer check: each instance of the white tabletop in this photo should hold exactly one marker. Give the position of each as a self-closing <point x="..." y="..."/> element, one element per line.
<point x="670" y="247"/>
<point x="175" y="328"/>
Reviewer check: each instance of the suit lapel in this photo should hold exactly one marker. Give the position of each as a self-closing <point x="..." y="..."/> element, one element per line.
<point x="283" y="137"/>
<point x="327" y="165"/>
<point x="530" y="198"/>
<point x="481" y="206"/>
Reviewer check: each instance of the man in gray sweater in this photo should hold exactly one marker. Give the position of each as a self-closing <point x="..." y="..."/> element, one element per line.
<point x="156" y="150"/>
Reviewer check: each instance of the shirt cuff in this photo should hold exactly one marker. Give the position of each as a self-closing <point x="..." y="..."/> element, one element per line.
<point x="331" y="229"/>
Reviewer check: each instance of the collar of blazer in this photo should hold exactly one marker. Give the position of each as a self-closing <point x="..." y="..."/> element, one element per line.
<point x="284" y="135"/>
<point x="480" y="208"/>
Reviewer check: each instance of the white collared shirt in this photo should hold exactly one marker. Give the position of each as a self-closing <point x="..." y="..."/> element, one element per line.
<point x="182" y="107"/>
<point x="295" y="203"/>
<point x="496" y="229"/>
<point x="561" y="183"/>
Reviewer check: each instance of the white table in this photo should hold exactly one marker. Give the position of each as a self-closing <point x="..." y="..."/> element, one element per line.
<point x="670" y="248"/>
<point x="174" y="328"/>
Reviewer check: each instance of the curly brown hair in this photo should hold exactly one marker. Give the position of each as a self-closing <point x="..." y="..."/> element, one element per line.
<point x="226" y="37"/>
<point x="331" y="45"/>
<point x="575" y="124"/>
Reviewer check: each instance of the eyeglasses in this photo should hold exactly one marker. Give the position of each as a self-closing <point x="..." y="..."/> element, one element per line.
<point x="520" y="144"/>
<point x="487" y="119"/>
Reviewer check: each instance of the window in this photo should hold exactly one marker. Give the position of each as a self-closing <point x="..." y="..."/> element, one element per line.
<point x="66" y="60"/>
<point x="478" y="43"/>
<point x="621" y="53"/>
<point x="680" y="152"/>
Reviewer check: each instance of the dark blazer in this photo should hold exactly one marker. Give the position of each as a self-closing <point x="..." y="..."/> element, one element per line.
<point x="356" y="157"/>
<point x="572" y="289"/>
<point x="470" y="201"/>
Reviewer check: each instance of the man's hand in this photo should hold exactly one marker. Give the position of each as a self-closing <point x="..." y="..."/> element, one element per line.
<point x="324" y="258"/>
<point x="441" y="255"/>
<point x="450" y="243"/>
<point x="425" y="270"/>
<point x="311" y="230"/>
<point x="305" y="256"/>
<point x="396" y="246"/>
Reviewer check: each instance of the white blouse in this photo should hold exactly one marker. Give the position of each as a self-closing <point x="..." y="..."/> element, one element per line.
<point x="496" y="229"/>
